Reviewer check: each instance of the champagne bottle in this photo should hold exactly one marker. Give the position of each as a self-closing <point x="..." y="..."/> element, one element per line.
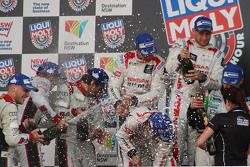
<point x="186" y="65"/>
<point x="51" y="133"/>
<point x="202" y="119"/>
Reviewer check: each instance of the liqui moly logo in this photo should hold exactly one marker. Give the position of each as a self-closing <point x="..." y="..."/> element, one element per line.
<point x="7" y="5"/>
<point x="79" y="5"/>
<point x="74" y="69"/>
<point x="113" y="33"/>
<point x="7" y="69"/>
<point x="41" y="34"/>
<point x="179" y="17"/>
<point x="5" y="28"/>
<point x="35" y="63"/>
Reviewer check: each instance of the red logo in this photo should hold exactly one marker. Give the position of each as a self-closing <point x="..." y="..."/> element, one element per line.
<point x="5" y="28"/>
<point x="35" y="63"/>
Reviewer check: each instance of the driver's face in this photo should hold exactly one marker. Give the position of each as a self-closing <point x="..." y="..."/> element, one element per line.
<point x="202" y="37"/>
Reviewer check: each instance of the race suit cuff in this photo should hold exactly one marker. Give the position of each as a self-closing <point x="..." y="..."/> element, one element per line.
<point x="31" y="137"/>
<point x="42" y="108"/>
<point x="131" y="153"/>
<point x="73" y="112"/>
<point x="118" y="102"/>
<point x="57" y="119"/>
<point x="203" y="78"/>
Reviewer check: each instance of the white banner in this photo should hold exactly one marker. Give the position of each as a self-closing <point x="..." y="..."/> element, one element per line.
<point x="113" y="7"/>
<point x="32" y="62"/>
<point x="11" y="35"/>
<point x="77" y="34"/>
<point x="34" y="8"/>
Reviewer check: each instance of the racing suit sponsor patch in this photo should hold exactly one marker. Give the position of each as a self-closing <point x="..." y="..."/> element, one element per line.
<point x="193" y="57"/>
<point x="148" y="69"/>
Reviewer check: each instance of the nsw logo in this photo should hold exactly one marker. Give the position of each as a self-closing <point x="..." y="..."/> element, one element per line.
<point x="79" y="5"/>
<point x="113" y="33"/>
<point x="7" y="69"/>
<point x="75" y="27"/>
<point x="41" y="34"/>
<point x="35" y="63"/>
<point x="5" y="28"/>
<point x="7" y="5"/>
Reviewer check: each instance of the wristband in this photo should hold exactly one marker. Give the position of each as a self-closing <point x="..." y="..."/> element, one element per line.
<point x="131" y="153"/>
<point x="31" y="137"/>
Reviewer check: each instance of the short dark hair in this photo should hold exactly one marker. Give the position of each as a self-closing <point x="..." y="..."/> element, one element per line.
<point x="88" y="79"/>
<point x="236" y="96"/>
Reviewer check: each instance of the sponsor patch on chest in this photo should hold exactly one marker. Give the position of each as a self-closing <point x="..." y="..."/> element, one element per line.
<point x="149" y="69"/>
<point x="193" y="57"/>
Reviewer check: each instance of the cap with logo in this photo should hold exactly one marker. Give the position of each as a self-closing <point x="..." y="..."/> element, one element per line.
<point x="49" y="68"/>
<point x="203" y="23"/>
<point x="232" y="74"/>
<point x="23" y="80"/>
<point x="100" y="76"/>
<point x="145" y="44"/>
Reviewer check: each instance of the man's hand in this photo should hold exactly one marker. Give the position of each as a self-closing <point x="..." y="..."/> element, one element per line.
<point x="194" y="75"/>
<point x="127" y="101"/>
<point x="97" y="133"/>
<point x="185" y="53"/>
<point x="37" y="136"/>
<point x="62" y="124"/>
<point x="136" y="160"/>
<point x="27" y="122"/>
<point x="122" y="110"/>
<point x="197" y="102"/>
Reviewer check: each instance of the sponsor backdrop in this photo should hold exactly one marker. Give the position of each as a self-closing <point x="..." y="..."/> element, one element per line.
<point x="79" y="34"/>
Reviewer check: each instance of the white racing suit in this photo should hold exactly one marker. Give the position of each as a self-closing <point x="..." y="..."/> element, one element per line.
<point x="134" y="77"/>
<point x="207" y="60"/>
<point x="73" y="150"/>
<point x="36" y="106"/>
<point x="136" y="134"/>
<point x="10" y="136"/>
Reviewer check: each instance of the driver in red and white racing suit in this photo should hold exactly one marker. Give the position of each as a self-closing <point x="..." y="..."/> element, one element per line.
<point x="138" y="78"/>
<point x="207" y="73"/>
<point x="145" y="137"/>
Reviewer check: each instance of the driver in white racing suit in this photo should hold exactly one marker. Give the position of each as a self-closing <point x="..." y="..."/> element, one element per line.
<point x="138" y="78"/>
<point x="19" y="87"/>
<point x="37" y="107"/>
<point x="74" y="146"/>
<point x="207" y="63"/>
<point x="145" y="137"/>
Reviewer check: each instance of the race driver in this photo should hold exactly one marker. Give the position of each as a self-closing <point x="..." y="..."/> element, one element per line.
<point x="207" y="62"/>
<point x="37" y="107"/>
<point x="74" y="147"/>
<point x="19" y="87"/>
<point x="138" y="78"/>
<point x="145" y="138"/>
